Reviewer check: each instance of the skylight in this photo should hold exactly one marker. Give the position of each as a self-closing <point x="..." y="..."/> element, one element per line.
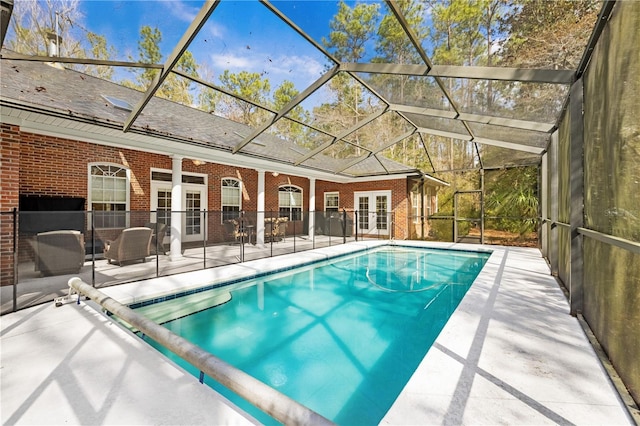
<point x="118" y="103"/>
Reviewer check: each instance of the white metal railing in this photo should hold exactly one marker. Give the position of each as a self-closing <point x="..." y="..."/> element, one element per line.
<point x="267" y="399"/>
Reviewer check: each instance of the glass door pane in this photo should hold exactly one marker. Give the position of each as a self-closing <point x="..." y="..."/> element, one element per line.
<point x="381" y="212"/>
<point x="363" y="214"/>
<point x="193" y="219"/>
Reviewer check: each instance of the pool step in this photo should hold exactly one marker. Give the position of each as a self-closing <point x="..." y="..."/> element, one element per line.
<point x="179" y="307"/>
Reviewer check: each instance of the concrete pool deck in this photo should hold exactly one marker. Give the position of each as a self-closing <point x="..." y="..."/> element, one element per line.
<point x="510" y="354"/>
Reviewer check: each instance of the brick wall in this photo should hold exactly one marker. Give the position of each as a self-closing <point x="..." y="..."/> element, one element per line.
<point x="399" y="203"/>
<point x="9" y="197"/>
<point x="34" y="164"/>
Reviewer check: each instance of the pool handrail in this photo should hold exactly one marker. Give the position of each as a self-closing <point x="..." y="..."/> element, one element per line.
<point x="271" y="401"/>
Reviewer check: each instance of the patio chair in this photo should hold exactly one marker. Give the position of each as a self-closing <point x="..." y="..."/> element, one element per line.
<point x="269" y="230"/>
<point x="280" y="230"/>
<point x="157" y="245"/>
<point x="232" y="229"/>
<point x="131" y="244"/>
<point x="336" y="227"/>
<point x="59" y="252"/>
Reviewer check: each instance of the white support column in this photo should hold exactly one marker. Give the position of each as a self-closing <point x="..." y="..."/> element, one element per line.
<point x="260" y="212"/>
<point x="312" y="208"/>
<point x="175" y="252"/>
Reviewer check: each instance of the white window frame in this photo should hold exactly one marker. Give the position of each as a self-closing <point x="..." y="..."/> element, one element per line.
<point x="290" y="207"/>
<point x="90" y="190"/>
<point x="429" y="198"/>
<point x="222" y="204"/>
<point x="415" y="206"/>
<point x="326" y="202"/>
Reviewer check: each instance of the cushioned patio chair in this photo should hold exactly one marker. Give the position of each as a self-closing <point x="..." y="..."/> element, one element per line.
<point x="268" y="230"/>
<point x="280" y="229"/>
<point x="157" y="245"/>
<point x="59" y="252"/>
<point x="234" y="234"/>
<point x="131" y="244"/>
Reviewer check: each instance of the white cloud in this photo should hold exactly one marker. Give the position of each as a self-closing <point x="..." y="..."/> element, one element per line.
<point x="301" y="70"/>
<point x="231" y="62"/>
<point x="215" y="30"/>
<point x="182" y="10"/>
<point x="301" y="65"/>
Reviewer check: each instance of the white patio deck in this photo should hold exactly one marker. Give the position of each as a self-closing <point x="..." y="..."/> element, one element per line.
<point x="510" y="354"/>
<point x="33" y="289"/>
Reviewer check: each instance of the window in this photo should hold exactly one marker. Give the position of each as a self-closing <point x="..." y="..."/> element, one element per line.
<point x="290" y="202"/>
<point x="231" y="199"/>
<point x="164" y="209"/>
<point x="186" y="178"/>
<point x="381" y="212"/>
<point x="331" y="201"/>
<point x="415" y="206"/>
<point x="194" y="217"/>
<point x="108" y="195"/>
<point x="428" y="200"/>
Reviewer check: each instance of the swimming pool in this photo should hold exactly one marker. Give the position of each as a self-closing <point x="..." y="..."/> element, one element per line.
<point x="341" y="336"/>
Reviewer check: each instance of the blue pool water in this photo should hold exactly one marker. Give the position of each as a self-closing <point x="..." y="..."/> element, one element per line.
<point x="341" y="337"/>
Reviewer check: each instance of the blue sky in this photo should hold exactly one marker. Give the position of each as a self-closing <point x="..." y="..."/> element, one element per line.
<point x="240" y="35"/>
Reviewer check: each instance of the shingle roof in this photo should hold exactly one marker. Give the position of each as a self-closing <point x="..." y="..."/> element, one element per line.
<point x="52" y="89"/>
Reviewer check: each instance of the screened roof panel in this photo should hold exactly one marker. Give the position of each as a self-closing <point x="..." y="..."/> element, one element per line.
<point x="385" y="158"/>
<point x="239" y="50"/>
<point x="369" y="166"/>
<point x="509" y="134"/>
<point x="380" y="132"/>
<point x="540" y="102"/>
<point x="420" y="91"/>
<point x="341" y="105"/>
<point x="281" y="56"/>
<point x="451" y="154"/>
<point x="529" y="34"/>
<point x="369" y="26"/>
<point x="437" y="123"/>
<point x="303" y="139"/>
<point x="235" y="109"/>
<point x="344" y="151"/>
<point x="493" y="156"/>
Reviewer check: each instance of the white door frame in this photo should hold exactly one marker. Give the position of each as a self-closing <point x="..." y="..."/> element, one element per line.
<point x="186" y="188"/>
<point x="371" y="220"/>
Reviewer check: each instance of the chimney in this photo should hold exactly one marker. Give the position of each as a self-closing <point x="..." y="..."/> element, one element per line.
<point x="53" y="44"/>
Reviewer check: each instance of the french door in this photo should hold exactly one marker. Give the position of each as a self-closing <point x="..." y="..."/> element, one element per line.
<point x="194" y="202"/>
<point x="374" y="209"/>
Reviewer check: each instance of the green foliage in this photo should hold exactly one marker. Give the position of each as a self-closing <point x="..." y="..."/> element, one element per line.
<point x="286" y="128"/>
<point x="174" y="88"/>
<point x="512" y="195"/>
<point x="148" y="53"/>
<point x="440" y="229"/>
<point x="392" y="44"/>
<point x="100" y="49"/>
<point x="351" y="29"/>
<point x="251" y="86"/>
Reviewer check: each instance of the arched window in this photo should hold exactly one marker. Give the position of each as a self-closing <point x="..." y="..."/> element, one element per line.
<point x="108" y="195"/>
<point x="290" y="202"/>
<point x="231" y="198"/>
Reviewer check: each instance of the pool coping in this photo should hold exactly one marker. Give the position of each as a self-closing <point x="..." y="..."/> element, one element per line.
<point x="460" y="333"/>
